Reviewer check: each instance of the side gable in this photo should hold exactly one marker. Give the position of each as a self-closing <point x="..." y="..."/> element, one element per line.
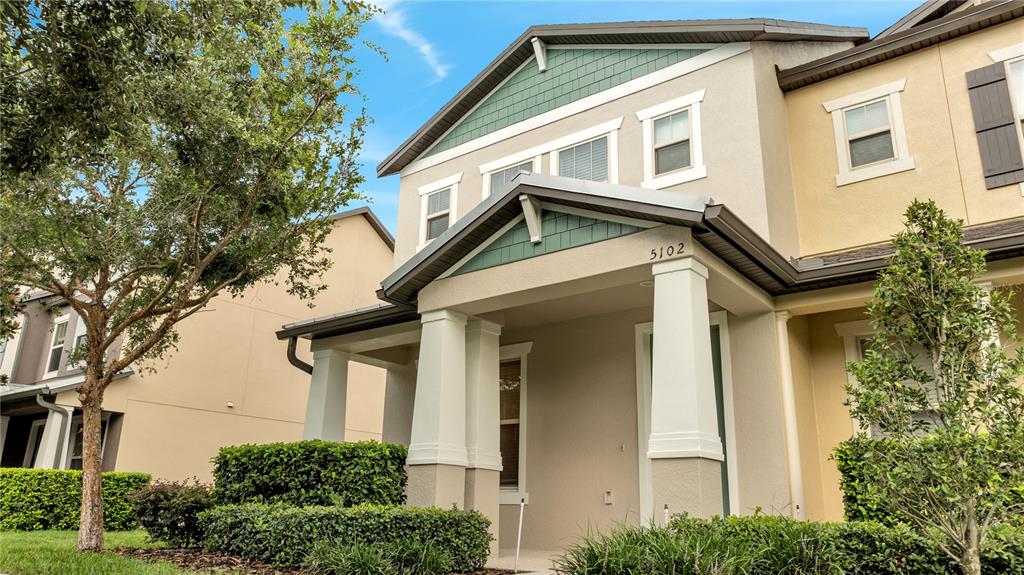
<point x="571" y="74"/>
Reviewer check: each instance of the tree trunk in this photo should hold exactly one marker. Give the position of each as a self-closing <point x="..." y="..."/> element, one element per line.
<point x="970" y="560"/>
<point x="90" y="528"/>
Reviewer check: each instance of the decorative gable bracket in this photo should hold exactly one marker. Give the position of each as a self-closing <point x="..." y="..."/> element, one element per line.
<point x="540" y="50"/>
<point x="532" y="213"/>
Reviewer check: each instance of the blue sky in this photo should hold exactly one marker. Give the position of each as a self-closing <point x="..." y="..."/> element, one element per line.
<point x="435" y="48"/>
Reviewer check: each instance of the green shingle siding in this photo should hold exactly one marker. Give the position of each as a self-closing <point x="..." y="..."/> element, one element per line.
<point x="559" y="231"/>
<point x="571" y="75"/>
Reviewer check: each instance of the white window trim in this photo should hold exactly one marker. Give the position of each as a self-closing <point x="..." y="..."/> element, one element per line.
<point x="1008" y="53"/>
<point x="1018" y="115"/>
<point x="697" y="169"/>
<point x="903" y="160"/>
<point x="30" y="448"/>
<point x="613" y="153"/>
<point x="50" y="347"/>
<point x="643" y="332"/>
<point x="518" y="351"/>
<point x="486" y="170"/>
<point x="79" y="331"/>
<point x="851" y="332"/>
<point x="73" y="439"/>
<point x="11" y="352"/>
<point x="427" y="189"/>
<point x="711" y="57"/>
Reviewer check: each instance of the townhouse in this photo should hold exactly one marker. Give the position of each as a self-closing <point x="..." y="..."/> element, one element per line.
<point x="228" y="382"/>
<point x="632" y="259"/>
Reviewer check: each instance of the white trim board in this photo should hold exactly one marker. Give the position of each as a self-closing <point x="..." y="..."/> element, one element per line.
<point x="1007" y="53"/>
<point x="697" y="168"/>
<point x="520" y="351"/>
<point x="719" y="54"/>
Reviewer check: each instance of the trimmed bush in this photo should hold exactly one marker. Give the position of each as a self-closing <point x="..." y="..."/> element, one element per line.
<point x="311" y="473"/>
<point x="33" y="499"/>
<point x="284" y="535"/>
<point x="169" y="511"/>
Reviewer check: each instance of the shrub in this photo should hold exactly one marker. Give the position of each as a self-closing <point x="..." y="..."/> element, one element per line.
<point x="871" y="548"/>
<point x="32" y="499"/>
<point x="169" y="511"/>
<point x="333" y="558"/>
<point x="311" y="473"/>
<point x="412" y="557"/>
<point x="654" y="551"/>
<point x="284" y="535"/>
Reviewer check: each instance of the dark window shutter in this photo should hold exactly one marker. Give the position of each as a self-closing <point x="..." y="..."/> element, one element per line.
<point x="995" y="126"/>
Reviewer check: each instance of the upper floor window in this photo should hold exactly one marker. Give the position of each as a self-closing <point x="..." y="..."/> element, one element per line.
<point x="437" y="207"/>
<point x="672" y="142"/>
<point x="499" y="178"/>
<point x="56" y="349"/>
<point x="1015" y="74"/>
<point x="586" y="161"/>
<point x="870" y="139"/>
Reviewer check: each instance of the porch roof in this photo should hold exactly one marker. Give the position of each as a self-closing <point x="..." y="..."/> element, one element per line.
<point x="714" y="226"/>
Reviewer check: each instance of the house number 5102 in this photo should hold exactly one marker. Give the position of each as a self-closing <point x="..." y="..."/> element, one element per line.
<point x="666" y="251"/>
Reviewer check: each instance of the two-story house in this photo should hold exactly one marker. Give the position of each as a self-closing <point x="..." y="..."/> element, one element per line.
<point x="629" y="255"/>
<point x="227" y="383"/>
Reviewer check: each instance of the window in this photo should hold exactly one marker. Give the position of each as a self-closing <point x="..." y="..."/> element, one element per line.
<point x="510" y="382"/>
<point x="437" y="206"/>
<point x="1015" y="76"/>
<point x="672" y="151"/>
<point x="77" y="440"/>
<point x="438" y="210"/>
<point x="586" y="161"/>
<point x="78" y="343"/>
<point x="870" y="140"/>
<point x="60" y="332"/>
<point x="512" y="376"/>
<point x="922" y="361"/>
<point x="501" y="177"/>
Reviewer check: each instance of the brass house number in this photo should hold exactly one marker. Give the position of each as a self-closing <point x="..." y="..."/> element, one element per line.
<point x="666" y="251"/>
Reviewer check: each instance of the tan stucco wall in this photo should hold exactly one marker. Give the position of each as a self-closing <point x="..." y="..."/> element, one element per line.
<point x="177" y="417"/>
<point x="581" y="429"/>
<point x="734" y="151"/>
<point x="940" y="137"/>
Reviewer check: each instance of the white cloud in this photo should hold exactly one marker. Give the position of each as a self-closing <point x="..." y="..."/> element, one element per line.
<point x="393" y="22"/>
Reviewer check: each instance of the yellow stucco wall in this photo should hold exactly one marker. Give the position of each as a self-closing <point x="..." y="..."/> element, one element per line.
<point x="940" y="137"/>
<point x="229" y="381"/>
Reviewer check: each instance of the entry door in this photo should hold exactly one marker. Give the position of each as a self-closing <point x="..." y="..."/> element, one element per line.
<point x="723" y="396"/>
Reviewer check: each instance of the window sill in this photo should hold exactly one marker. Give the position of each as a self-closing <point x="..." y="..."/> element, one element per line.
<point x="657" y="183"/>
<point x="869" y="173"/>
<point x="513" y="497"/>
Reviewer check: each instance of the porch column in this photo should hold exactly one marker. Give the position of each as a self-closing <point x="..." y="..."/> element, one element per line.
<point x="52" y="452"/>
<point x="325" y="409"/>
<point x="483" y="433"/>
<point x="796" y="481"/>
<point x="399" y="392"/>
<point x="437" y="450"/>
<point x="684" y="447"/>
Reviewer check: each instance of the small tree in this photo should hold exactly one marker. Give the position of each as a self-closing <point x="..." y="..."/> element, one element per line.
<point x="158" y="154"/>
<point x="955" y="448"/>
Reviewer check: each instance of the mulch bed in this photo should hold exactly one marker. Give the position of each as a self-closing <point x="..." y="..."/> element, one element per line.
<point x="198" y="560"/>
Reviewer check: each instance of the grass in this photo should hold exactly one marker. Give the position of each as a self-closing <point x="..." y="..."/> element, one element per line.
<point x="53" y="553"/>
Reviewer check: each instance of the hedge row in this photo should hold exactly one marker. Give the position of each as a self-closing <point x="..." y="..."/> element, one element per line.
<point x="283" y="535"/>
<point x="862" y="498"/>
<point x="32" y="499"/>
<point x="311" y="473"/>
<point x="761" y="545"/>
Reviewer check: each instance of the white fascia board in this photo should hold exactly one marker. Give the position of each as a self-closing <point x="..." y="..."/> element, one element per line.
<point x="866" y="95"/>
<point x="723" y="52"/>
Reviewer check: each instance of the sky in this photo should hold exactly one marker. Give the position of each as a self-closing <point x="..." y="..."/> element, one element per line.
<point x="435" y="48"/>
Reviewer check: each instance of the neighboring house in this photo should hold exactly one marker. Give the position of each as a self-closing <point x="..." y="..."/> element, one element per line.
<point x="228" y="382"/>
<point x="632" y="258"/>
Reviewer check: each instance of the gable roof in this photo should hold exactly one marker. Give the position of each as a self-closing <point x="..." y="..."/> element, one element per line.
<point x="713" y="225"/>
<point x="611" y="33"/>
<point x="372" y="219"/>
<point x="897" y="44"/>
<point x="924" y="13"/>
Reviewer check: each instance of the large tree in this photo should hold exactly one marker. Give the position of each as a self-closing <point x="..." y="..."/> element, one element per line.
<point x="938" y="384"/>
<point x="158" y="154"/>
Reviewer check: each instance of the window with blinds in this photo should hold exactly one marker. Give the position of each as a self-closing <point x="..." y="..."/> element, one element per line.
<point x="869" y="133"/>
<point x="501" y="178"/>
<point x="438" y="213"/>
<point x="586" y="161"/>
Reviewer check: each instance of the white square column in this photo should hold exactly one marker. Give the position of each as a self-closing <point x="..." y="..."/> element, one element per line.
<point x="437" y="450"/>
<point x="684" y="446"/>
<point x="483" y="423"/>
<point x="328" y="390"/>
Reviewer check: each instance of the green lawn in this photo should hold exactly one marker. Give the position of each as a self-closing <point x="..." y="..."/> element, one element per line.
<point x="53" y="553"/>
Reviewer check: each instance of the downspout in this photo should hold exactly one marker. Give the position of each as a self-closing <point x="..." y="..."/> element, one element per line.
<point x="796" y="480"/>
<point x="65" y="427"/>
<point x="294" y="359"/>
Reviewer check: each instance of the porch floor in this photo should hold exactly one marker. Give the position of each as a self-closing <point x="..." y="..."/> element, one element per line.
<point x="536" y="561"/>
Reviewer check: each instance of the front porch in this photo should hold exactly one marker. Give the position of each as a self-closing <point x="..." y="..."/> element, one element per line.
<point x="600" y="383"/>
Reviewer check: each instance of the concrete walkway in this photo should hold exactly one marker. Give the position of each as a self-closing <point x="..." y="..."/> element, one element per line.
<point x="534" y="561"/>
